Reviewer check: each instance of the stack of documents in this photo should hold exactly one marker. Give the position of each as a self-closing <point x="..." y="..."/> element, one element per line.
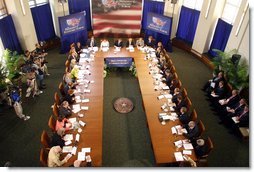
<point x="76" y="108"/>
<point x="178" y="156"/>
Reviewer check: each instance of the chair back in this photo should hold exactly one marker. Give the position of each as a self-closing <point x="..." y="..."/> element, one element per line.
<point x="170" y="63"/>
<point x="55" y="110"/>
<point x="52" y="123"/>
<point x="179" y="84"/>
<point x="61" y="89"/>
<point x="172" y="69"/>
<point x="57" y="99"/>
<point x="193" y="115"/>
<point x="44" y="157"/>
<point x="175" y="76"/>
<point x="188" y="103"/>
<point x="67" y="63"/>
<point x="209" y="145"/>
<point x="45" y="140"/>
<point x="184" y="93"/>
<point x="201" y="127"/>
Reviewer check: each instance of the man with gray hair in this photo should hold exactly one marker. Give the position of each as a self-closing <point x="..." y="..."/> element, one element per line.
<point x="192" y="129"/>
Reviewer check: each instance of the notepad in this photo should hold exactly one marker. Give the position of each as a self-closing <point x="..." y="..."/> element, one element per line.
<point x="235" y="119"/>
<point x="68" y="143"/>
<point x="74" y="150"/>
<point x="77" y="137"/>
<point x="178" y="143"/>
<point x="85" y="100"/>
<point x="81" y="156"/>
<point x="173" y="129"/>
<point x="86" y="149"/>
<point x="82" y="123"/>
<point x="187" y="146"/>
<point x="67" y="149"/>
<point x="178" y="156"/>
<point x="84" y="107"/>
<point x="187" y="152"/>
<point x="68" y="137"/>
<point x="168" y="96"/>
<point x="165" y="88"/>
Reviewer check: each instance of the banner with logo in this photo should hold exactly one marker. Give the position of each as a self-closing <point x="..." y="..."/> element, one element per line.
<point x="72" y="23"/>
<point x="118" y="61"/>
<point x="159" y="23"/>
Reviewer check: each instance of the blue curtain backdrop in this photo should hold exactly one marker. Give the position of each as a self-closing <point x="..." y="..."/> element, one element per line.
<point x="43" y="22"/>
<point x="8" y="34"/>
<point x="187" y="25"/>
<point x="220" y="38"/>
<point x="76" y="6"/>
<point x="158" y="8"/>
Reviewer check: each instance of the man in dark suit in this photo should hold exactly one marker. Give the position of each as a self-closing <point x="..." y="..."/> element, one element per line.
<point x="218" y="93"/>
<point x="168" y="77"/>
<point x="130" y="42"/>
<point x="200" y="147"/>
<point x="91" y="42"/>
<point x="65" y="110"/>
<point x="150" y="42"/>
<point x="193" y="130"/>
<point x="228" y="102"/>
<point x="180" y="103"/>
<point x="183" y="116"/>
<point x="118" y="43"/>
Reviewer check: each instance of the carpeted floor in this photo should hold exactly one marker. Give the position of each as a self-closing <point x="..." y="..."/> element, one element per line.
<point x="126" y="140"/>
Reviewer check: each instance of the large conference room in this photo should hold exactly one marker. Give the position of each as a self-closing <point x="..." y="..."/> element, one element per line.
<point x="125" y="83"/>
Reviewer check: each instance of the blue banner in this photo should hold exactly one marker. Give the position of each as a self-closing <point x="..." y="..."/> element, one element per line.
<point x="118" y="61"/>
<point x="72" y="23"/>
<point x="159" y="23"/>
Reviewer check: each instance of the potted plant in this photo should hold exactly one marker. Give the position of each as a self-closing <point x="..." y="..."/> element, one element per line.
<point x="236" y="74"/>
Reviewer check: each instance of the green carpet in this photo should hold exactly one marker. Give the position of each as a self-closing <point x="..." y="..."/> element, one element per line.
<point x="126" y="139"/>
<point x="229" y="150"/>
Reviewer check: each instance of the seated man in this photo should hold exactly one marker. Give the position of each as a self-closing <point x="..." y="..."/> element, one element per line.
<point x="219" y="92"/>
<point x="192" y="129"/>
<point x="168" y="77"/>
<point x="91" y="42"/>
<point x="130" y="42"/>
<point x="180" y="103"/>
<point x="183" y="116"/>
<point x="140" y="43"/>
<point x="214" y="82"/>
<point x="150" y="42"/>
<point x="65" y="110"/>
<point x="78" y="48"/>
<point x="229" y="102"/>
<point x="69" y="92"/>
<point x="54" y="157"/>
<point x="175" y="95"/>
<point x="242" y="119"/>
<point x="118" y="43"/>
<point x="56" y="139"/>
<point x="200" y="147"/>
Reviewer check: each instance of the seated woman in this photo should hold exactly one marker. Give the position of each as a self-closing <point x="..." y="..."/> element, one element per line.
<point x="140" y="42"/>
<point x="78" y="48"/>
<point x="65" y="110"/>
<point x="104" y="44"/>
<point x="63" y="122"/>
<point x="150" y="42"/>
<point x="54" y="157"/>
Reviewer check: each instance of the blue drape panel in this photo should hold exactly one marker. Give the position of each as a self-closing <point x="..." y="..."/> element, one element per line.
<point x="76" y="6"/>
<point x="8" y="34"/>
<point x="43" y="22"/>
<point x="67" y="40"/>
<point x="220" y="37"/>
<point x="187" y="24"/>
<point x="158" y="8"/>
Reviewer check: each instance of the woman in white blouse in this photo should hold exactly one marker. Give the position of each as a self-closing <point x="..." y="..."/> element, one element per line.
<point x="104" y="44"/>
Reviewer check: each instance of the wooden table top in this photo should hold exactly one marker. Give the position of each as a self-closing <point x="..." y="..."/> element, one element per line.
<point x="161" y="137"/>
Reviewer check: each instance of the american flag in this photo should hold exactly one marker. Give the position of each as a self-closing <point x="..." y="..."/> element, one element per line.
<point x="118" y="19"/>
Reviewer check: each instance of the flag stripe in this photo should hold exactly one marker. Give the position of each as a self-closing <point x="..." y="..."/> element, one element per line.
<point x="113" y="25"/>
<point x="116" y="17"/>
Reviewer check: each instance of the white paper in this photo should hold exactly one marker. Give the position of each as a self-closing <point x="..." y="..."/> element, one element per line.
<point x="235" y="119"/>
<point x="187" y="152"/>
<point x="76" y="110"/>
<point x="168" y="96"/>
<point x="178" y="156"/>
<point x="85" y="100"/>
<point x="84" y="107"/>
<point x="173" y="129"/>
<point x="174" y="114"/>
<point x="82" y="123"/>
<point x="77" y="137"/>
<point x="78" y="101"/>
<point x="72" y="120"/>
<point x="88" y="158"/>
<point x="88" y="150"/>
<point x="81" y="156"/>
<point x="87" y="91"/>
<point x="178" y="143"/>
<point x="68" y="137"/>
<point x="165" y="88"/>
<point x="68" y="143"/>
<point x="187" y="146"/>
<point x="212" y="84"/>
<point x="67" y="149"/>
<point x="171" y="108"/>
<point x="160" y="97"/>
<point x="68" y="156"/>
<point x="74" y="150"/>
<point x="166" y="117"/>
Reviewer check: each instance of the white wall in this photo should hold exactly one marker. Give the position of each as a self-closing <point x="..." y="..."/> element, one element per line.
<point x="244" y="48"/>
<point x="242" y="39"/>
<point x="168" y="10"/>
<point x="58" y="11"/>
<point x="23" y="23"/>
<point x="206" y="26"/>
